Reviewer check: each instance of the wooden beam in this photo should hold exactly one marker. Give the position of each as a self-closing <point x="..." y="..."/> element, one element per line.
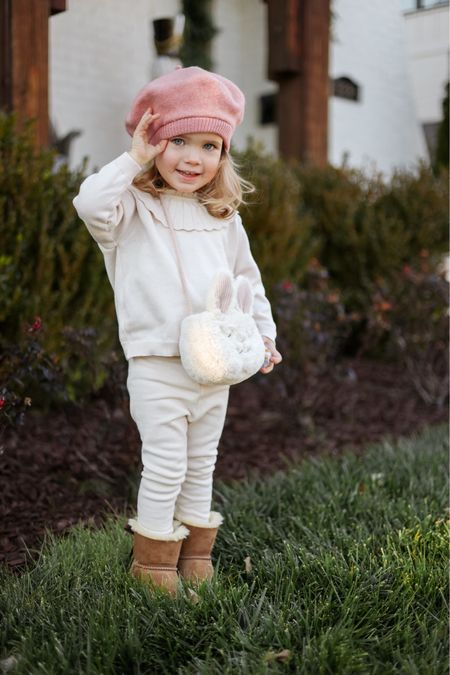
<point x="57" y="6"/>
<point x="29" y="50"/>
<point x="315" y="22"/>
<point x="24" y="60"/>
<point x="298" y="61"/>
<point x="284" y="40"/>
<point x="5" y="56"/>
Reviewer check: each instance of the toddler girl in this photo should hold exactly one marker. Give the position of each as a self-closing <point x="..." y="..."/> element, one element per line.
<point x="178" y="165"/>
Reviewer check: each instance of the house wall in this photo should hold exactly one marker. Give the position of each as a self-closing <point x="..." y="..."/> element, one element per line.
<point x="101" y="54"/>
<point x="427" y="44"/>
<point x="240" y="52"/>
<point x="381" y="129"/>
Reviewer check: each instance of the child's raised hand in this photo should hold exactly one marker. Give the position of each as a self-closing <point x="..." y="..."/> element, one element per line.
<point x="141" y="150"/>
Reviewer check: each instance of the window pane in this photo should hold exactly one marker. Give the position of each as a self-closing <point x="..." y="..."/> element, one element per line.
<point x="410" y="5"/>
<point x="433" y="3"/>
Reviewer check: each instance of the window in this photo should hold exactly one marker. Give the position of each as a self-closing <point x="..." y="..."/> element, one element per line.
<point x="414" y="5"/>
<point x="345" y="87"/>
<point x="268" y="109"/>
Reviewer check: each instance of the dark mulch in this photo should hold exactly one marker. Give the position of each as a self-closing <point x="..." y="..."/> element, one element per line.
<point x="81" y="463"/>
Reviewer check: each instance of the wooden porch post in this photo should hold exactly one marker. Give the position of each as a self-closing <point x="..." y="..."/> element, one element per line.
<point x="24" y="60"/>
<point x="298" y="61"/>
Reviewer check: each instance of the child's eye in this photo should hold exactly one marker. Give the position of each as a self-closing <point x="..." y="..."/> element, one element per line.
<point x="209" y="146"/>
<point x="177" y="141"/>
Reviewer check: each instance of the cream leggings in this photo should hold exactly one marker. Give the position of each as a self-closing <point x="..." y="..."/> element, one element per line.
<point x="180" y="423"/>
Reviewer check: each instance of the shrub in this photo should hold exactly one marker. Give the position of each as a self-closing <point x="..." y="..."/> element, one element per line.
<point x="27" y="373"/>
<point x="337" y="235"/>
<point x="313" y="329"/>
<point x="282" y="241"/>
<point x="369" y="228"/>
<point x="49" y="265"/>
<point x="407" y="321"/>
<point x="359" y="225"/>
<point x="199" y="31"/>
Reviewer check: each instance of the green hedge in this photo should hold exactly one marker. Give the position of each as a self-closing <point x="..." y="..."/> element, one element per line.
<point x="360" y="227"/>
<point x="283" y="241"/>
<point x="49" y="265"/>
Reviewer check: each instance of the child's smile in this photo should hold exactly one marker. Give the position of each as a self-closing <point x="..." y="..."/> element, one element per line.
<point x="190" y="161"/>
<point x="188" y="174"/>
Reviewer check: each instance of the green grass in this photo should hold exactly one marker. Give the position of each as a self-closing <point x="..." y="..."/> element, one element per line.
<point x="348" y="574"/>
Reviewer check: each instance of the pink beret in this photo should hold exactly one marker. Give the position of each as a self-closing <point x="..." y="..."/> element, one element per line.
<point x="189" y="100"/>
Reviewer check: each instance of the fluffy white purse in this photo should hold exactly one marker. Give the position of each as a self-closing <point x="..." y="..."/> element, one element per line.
<point x="221" y="345"/>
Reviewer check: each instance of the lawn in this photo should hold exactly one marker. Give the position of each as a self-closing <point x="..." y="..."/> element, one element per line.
<point x="337" y="565"/>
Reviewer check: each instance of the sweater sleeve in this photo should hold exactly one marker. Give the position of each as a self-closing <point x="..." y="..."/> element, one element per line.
<point x="246" y="265"/>
<point x="104" y="203"/>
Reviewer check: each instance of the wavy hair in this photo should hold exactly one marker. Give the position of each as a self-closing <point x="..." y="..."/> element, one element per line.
<point x="221" y="197"/>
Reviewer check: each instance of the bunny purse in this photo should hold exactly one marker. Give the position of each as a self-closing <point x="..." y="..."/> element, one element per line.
<point x="222" y="345"/>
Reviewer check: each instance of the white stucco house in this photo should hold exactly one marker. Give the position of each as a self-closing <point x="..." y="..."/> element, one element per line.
<point x="427" y="44"/>
<point x="385" y="83"/>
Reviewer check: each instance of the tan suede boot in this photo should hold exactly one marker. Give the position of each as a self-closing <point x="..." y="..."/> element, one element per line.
<point x="194" y="563"/>
<point x="155" y="559"/>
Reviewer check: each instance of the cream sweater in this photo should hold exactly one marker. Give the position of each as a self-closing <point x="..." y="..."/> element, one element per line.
<point x="131" y="231"/>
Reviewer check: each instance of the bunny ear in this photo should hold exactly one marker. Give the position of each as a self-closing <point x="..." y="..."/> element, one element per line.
<point x="220" y="295"/>
<point x="244" y="295"/>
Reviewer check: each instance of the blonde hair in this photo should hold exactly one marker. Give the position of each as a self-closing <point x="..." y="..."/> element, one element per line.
<point x="221" y="197"/>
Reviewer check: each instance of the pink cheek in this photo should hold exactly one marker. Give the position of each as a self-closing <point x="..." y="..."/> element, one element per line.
<point x="162" y="164"/>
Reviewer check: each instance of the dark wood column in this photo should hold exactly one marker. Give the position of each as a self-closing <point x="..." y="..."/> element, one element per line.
<point x="298" y="61"/>
<point x="24" y="60"/>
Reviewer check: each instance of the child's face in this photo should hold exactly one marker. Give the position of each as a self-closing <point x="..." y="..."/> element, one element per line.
<point x="190" y="161"/>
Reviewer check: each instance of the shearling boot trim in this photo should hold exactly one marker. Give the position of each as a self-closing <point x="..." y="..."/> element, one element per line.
<point x="215" y="520"/>
<point x="180" y="532"/>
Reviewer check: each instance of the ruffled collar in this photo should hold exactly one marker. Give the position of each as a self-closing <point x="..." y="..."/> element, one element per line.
<point x="184" y="210"/>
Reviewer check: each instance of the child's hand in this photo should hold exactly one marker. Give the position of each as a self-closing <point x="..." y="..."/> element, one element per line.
<point x="275" y="356"/>
<point x="141" y="150"/>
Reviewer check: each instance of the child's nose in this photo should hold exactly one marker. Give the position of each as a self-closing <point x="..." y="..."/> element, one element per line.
<point x="192" y="155"/>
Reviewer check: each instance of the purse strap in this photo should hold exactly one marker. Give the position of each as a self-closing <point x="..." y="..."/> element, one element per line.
<point x="178" y="257"/>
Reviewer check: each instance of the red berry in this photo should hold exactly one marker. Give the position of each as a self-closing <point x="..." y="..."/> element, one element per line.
<point x="37" y="324"/>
